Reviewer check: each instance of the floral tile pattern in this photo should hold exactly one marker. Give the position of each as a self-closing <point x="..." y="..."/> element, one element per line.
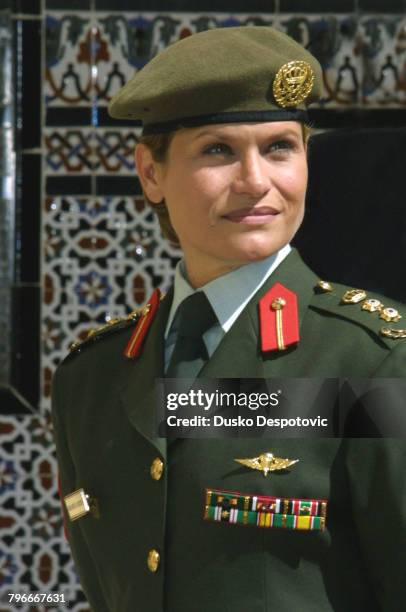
<point x="99" y="263"/>
<point x="363" y="58"/>
<point x="34" y="557"/>
<point x="114" y="151"/>
<point x="383" y="49"/>
<point x="71" y="49"/>
<point x="69" y="151"/>
<point x="331" y="39"/>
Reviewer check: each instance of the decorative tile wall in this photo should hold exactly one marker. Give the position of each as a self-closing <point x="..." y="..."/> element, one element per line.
<point x="101" y="248"/>
<point x="34" y="558"/>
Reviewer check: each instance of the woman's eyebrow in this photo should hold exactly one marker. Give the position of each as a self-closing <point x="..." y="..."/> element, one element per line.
<point x="214" y="133"/>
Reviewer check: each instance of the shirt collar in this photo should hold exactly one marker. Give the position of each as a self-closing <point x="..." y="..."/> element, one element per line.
<point x="230" y="293"/>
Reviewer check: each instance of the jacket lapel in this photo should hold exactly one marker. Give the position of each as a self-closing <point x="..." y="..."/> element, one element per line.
<point x="138" y="392"/>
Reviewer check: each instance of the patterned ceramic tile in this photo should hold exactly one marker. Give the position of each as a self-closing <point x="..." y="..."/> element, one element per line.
<point x="109" y="50"/>
<point x="32" y="549"/>
<point x="72" y="48"/>
<point x="114" y="151"/>
<point x="332" y="39"/>
<point x="382" y="46"/>
<point x="364" y="60"/>
<point x="69" y="151"/>
<point x="89" y="151"/>
<point x="102" y="258"/>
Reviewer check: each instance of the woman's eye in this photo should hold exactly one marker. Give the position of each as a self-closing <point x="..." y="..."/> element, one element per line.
<point x="280" y="146"/>
<point x="217" y="149"/>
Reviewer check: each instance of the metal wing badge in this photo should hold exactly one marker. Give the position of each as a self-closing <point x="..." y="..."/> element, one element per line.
<point x="267" y="462"/>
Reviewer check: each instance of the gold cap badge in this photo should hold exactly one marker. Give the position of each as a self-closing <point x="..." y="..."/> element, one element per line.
<point x="267" y="462"/>
<point x="293" y="83"/>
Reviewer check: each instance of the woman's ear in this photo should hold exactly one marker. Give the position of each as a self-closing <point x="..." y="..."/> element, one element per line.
<point x="149" y="173"/>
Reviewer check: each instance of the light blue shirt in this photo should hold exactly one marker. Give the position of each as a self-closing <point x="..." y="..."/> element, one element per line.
<point x="227" y="294"/>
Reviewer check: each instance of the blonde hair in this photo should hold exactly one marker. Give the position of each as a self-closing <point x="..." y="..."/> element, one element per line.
<point x="159" y="145"/>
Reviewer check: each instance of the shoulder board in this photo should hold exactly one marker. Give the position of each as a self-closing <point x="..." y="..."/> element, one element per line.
<point x="373" y="311"/>
<point x="146" y="313"/>
<point x="114" y="325"/>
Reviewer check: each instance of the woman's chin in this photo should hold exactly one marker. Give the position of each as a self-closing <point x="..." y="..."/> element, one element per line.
<point x="254" y="250"/>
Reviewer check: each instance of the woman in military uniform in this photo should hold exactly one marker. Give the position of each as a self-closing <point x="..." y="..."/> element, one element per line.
<point x="183" y="526"/>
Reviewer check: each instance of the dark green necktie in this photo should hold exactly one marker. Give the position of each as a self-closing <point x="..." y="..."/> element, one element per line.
<point x="189" y="355"/>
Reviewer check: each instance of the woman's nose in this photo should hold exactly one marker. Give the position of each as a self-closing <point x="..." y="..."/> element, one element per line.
<point x="253" y="177"/>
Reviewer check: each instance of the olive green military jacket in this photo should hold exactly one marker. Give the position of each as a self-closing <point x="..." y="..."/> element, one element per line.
<point x="103" y="413"/>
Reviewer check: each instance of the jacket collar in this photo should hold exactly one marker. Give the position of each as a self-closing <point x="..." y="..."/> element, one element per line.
<point x="237" y="356"/>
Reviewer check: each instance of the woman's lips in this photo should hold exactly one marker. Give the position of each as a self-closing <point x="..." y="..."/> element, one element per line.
<point x="252" y="216"/>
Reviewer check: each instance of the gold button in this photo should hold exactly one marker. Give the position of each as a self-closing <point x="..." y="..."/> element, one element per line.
<point x="157" y="468"/>
<point x="278" y="303"/>
<point x="153" y="560"/>
<point x="324" y="286"/>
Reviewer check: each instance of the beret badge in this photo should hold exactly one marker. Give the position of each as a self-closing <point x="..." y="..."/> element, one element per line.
<point x="293" y="83"/>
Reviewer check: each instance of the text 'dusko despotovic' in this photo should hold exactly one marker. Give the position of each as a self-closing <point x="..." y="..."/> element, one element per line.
<point x="280" y="407"/>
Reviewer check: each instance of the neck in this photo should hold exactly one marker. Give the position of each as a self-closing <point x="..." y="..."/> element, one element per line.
<point x="201" y="270"/>
<point x="199" y="276"/>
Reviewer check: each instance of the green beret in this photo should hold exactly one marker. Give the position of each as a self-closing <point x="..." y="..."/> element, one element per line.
<point x="223" y="75"/>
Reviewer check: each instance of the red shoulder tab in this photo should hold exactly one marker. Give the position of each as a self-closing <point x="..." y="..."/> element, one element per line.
<point x="134" y="346"/>
<point x="278" y="319"/>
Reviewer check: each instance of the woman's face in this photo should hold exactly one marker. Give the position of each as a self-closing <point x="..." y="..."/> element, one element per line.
<point x="235" y="193"/>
